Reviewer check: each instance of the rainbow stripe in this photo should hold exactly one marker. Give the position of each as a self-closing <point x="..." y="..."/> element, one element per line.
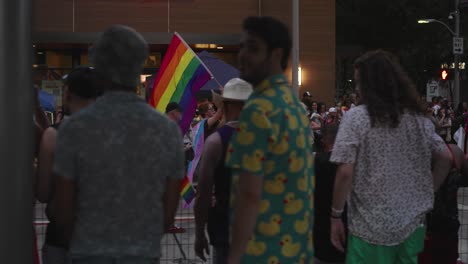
<point x="180" y="76"/>
<point x="187" y="191"/>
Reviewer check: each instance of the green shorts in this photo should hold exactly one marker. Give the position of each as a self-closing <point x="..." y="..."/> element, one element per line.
<point x="361" y="252"/>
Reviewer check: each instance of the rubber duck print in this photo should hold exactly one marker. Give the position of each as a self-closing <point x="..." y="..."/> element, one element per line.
<point x="310" y="241"/>
<point x="276" y="129"/>
<point x="295" y="163"/>
<point x="287" y="97"/>
<point x="255" y="248"/>
<point x="302" y="182"/>
<point x="276" y="186"/>
<point x="260" y="120"/>
<point x="283" y="144"/>
<point x="310" y="160"/>
<point x="244" y="137"/>
<point x="288" y="247"/>
<point x="269" y="167"/>
<point x="273" y="260"/>
<point x="264" y="206"/>
<point x="301" y="139"/>
<point x="305" y="122"/>
<point x="272" y="227"/>
<point x="262" y="104"/>
<point x="292" y="120"/>
<point x="270" y="93"/>
<point x="302" y="226"/>
<point x="291" y="204"/>
<point x="253" y="163"/>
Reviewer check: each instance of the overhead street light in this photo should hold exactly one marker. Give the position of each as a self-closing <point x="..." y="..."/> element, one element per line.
<point x="425" y="21"/>
<point x="431" y="20"/>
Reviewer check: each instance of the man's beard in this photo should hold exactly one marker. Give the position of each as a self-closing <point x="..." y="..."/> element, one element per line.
<point x="259" y="74"/>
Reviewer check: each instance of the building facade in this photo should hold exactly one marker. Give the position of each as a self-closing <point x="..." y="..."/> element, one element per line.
<point x="64" y="29"/>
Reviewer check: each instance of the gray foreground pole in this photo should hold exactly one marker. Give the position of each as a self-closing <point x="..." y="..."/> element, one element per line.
<point x="295" y="47"/>
<point x="16" y="232"/>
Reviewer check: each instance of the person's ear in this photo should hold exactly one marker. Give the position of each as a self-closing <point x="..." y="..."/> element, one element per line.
<point x="66" y="95"/>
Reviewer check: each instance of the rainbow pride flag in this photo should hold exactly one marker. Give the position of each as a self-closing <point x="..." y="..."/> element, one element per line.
<point x="197" y="145"/>
<point x="187" y="191"/>
<point x="180" y="76"/>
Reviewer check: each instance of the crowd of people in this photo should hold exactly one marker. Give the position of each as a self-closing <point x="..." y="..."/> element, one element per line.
<point x="371" y="179"/>
<point x="446" y="118"/>
<point x="321" y="116"/>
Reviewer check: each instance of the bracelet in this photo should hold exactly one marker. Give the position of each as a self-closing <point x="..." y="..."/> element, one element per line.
<point x="337" y="211"/>
<point x="335" y="216"/>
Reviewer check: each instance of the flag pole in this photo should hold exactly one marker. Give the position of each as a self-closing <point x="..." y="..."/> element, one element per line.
<point x="221" y="87"/>
<point x="193" y="52"/>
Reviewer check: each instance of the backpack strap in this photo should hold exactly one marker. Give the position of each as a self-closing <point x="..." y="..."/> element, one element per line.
<point x="452" y="157"/>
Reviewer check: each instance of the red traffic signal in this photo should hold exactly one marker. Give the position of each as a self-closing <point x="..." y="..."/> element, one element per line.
<point x="444" y="75"/>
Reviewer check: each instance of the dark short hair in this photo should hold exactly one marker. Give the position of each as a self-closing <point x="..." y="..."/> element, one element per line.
<point x="204" y="107"/>
<point x="81" y="82"/>
<point x="319" y="106"/>
<point x="173" y="106"/>
<point x="274" y="32"/>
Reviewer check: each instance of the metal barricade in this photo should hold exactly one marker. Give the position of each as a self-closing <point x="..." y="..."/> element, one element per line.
<point x="463" y="231"/>
<point x="176" y="246"/>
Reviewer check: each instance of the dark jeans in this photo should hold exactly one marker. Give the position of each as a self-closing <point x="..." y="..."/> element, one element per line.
<point x="113" y="260"/>
<point x="220" y="254"/>
<point x="439" y="248"/>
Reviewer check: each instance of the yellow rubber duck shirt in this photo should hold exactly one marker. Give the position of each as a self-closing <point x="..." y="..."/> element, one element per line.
<point x="273" y="141"/>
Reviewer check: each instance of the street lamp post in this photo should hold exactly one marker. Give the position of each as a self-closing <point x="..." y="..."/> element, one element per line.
<point x="456" y="67"/>
<point x="455" y="34"/>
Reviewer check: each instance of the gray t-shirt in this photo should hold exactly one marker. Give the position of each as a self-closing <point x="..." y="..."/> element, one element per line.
<point x="120" y="152"/>
<point x="392" y="187"/>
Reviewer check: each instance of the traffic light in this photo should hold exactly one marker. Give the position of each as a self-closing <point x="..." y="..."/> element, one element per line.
<point x="444" y="75"/>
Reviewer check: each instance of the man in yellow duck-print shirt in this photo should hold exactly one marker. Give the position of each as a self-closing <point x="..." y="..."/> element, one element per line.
<point x="271" y="156"/>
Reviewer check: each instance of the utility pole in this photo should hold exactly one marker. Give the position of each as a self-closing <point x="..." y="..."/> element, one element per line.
<point x="295" y="47"/>
<point x="457" y="44"/>
<point x="456" y="68"/>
